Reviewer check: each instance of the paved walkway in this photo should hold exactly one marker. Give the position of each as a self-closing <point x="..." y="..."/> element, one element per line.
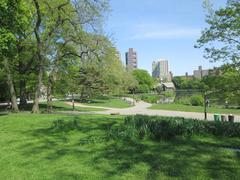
<point x="142" y="108"/>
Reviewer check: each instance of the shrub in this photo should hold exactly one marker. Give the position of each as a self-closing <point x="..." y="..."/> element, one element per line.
<point x="169" y="94"/>
<point x="158" y="128"/>
<point x="150" y="98"/>
<point x="196" y="100"/>
<point x="184" y="100"/>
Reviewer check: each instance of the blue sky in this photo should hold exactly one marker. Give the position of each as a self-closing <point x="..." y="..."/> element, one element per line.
<point x="157" y="29"/>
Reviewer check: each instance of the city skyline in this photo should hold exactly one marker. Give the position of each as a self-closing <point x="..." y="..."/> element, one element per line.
<point x="156" y="32"/>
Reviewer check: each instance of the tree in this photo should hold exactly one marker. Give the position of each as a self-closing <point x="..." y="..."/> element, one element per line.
<point x="145" y="81"/>
<point x="58" y="23"/>
<point x="14" y="18"/>
<point x="221" y="39"/>
<point x="184" y="83"/>
<point x="225" y="87"/>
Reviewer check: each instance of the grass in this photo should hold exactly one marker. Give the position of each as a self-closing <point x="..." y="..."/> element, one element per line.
<point x="147" y="97"/>
<point x="109" y="102"/>
<point x="185" y="108"/>
<point x="32" y="149"/>
<point x="59" y="106"/>
<point x="62" y="106"/>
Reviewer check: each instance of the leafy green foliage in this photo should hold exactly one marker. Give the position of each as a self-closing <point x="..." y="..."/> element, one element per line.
<point x="145" y="81"/>
<point x="196" y="100"/>
<point x="221" y="39"/>
<point x="150" y="98"/>
<point x="187" y="83"/>
<point x="225" y="87"/>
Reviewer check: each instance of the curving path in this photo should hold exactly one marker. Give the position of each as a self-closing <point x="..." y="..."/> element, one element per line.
<point x="142" y="108"/>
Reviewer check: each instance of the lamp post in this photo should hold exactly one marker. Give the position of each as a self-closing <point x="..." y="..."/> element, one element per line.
<point x="206" y="104"/>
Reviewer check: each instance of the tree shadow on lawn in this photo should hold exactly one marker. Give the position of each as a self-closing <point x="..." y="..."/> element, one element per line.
<point x="184" y="158"/>
<point x="5" y="113"/>
<point x="50" y="137"/>
<point x="179" y="158"/>
<point x="43" y="107"/>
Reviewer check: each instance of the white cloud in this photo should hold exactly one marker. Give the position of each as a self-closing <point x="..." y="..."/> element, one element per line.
<point x="156" y="31"/>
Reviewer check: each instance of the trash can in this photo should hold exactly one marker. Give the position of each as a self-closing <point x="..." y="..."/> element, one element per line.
<point x="223" y="118"/>
<point x="231" y="118"/>
<point x="217" y="117"/>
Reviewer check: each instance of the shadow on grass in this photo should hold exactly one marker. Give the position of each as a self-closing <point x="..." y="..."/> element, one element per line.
<point x="3" y="113"/>
<point x="43" y="107"/>
<point x="179" y="158"/>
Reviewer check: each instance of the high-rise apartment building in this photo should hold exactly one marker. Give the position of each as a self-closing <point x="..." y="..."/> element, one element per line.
<point x="131" y="59"/>
<point x="160" y="70"/>
<point x="156" y="69"/>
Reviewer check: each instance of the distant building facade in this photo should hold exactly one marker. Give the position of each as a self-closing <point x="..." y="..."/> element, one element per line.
<point x="200" y="73"/>
<point x="131" y="59"/>
<point x="160" y="69"/>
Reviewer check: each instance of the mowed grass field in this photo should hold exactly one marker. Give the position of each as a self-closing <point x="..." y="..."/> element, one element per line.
<point x="58" y="106"/>
<point x="185" y="108"/>
<point x="109" y="102"/>
<point x="31" y="148"/>
<point x="62" y="106"/>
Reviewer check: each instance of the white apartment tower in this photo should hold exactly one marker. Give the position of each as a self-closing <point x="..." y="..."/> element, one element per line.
<point x="160" y="70"/>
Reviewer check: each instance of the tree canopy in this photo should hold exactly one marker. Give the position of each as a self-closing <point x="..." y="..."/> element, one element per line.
<point x="57" y="47"/>
<point x="144" y="80"/>
<point x="221" y="40"/>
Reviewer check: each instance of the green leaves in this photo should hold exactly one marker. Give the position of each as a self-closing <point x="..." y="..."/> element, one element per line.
<point x="7" y="40"/>
<point x="145" y="81"/>
<point x="221" y="39"/>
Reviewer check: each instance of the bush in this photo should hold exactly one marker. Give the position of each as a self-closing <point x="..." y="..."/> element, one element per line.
<point x="184" y="101"/>
<point x="158" y="128"/>
<point x="169" y="94"/>
<point x="150" y="98"/>
<point x="196" y="100"/>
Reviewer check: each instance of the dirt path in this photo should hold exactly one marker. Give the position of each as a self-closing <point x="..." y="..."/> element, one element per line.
<point x="142" y="108"/>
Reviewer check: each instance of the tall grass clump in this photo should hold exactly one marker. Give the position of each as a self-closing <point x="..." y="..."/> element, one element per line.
<point x="157" y="128"/>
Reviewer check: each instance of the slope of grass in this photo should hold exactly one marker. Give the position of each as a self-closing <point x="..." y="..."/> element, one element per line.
<point x="58" y="106"/>
<point x="109" y="102"/>
<point x="32" y="149"/>
<point x="185" y="108"/>
<point x="62" y="106"/>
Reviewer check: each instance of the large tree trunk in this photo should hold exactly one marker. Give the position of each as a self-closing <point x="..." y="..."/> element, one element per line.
<point x="23" y="98"/>
<point x="11" y="87"/>
<point x="49" y="94"/>
<point x="73" y="103"/>
<point x="35" y="108"/>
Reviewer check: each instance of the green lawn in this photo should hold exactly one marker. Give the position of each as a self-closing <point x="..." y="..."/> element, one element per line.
<point x="62" y="106"/>
<point x="59" y="106"/>
<point x="32" y="149"/>
<point x="109" y="102"/>
<point x="180" y="107"/>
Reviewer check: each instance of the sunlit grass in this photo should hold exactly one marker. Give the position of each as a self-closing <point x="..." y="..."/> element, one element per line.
<point x="185" y="108"/>
<point x="109" y="102"/>
<point x="32" y="149"/>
